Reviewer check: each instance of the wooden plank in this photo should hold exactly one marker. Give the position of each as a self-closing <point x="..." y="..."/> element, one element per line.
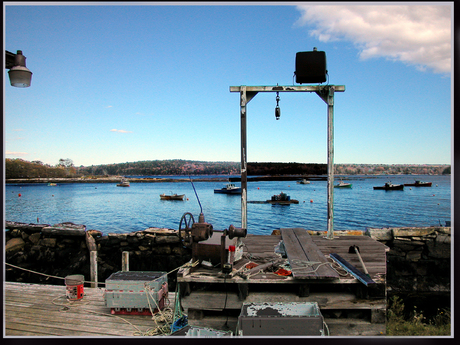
<point x="215" y="300"/>
<point x="305" y="258"/>
<point x="43" y="310"/>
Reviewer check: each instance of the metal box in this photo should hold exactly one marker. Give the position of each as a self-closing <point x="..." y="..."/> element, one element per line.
<point x="282" y="319"/>
<point x="136" y="291"/>
<point x="200" y="332"/>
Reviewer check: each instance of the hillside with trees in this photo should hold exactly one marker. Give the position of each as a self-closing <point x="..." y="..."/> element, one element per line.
<point x="19" y="168"/>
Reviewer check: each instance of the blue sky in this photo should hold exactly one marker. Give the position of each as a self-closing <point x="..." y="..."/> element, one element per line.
<point x="132" y="82"/>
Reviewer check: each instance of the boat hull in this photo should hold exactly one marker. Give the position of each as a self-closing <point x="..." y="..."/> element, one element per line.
<point x="172" y="197"/>
<point x="348" y="185"/>
<point x="282" y="202"/>
<point x="419" y="184"/>
<point x="227" y="191"/>
<point x="395" y="187"/>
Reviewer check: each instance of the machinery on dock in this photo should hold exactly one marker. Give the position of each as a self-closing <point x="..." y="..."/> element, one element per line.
<point x="214" y="247"/>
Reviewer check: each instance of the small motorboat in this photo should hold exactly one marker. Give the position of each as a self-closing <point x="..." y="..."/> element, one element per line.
<point x="390" y="186"/>
<point x="304" y="181"/>
<point x="282" y="199"/>
<point x="172" y="196"/>
<point x="52" y="184"/>
<point x="343" y="185"/>
<point x="418" y="183"/>
<point x="230" y="188"/>
<point x="123" y="183"/>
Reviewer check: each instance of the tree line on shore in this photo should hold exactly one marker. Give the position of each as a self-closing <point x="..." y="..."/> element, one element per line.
<point x="19" y="168"/>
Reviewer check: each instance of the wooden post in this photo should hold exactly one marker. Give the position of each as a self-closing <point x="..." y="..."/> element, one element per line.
<point x="93" y="268"/>
<point x="125" y="261"/>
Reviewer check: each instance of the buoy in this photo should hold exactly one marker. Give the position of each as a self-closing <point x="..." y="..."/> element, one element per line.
<point x="19" y="194"/>
<point x="187" y="199"/>
<point x="258" y="188"/>
<point x="311" y="200"/>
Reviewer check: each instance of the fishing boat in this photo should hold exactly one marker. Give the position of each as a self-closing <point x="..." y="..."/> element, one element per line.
<point x="123" y="183"/>
<point x="282" y="199"/>
<point x="304" y="181"/>
<point x="390" y="186"/>
<point x="230" y="188"/>
<point x="172" y="196"/>
<point x="343" y="185"/>
<point x="418" y="183"/>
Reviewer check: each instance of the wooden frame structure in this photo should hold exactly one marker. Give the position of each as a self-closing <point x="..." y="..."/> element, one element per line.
<point x="326" y="93"/>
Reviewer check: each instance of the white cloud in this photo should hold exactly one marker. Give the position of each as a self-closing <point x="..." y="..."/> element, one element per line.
<point x="419" y="35"/>
<point x="11" y="153"/>
<point x="120" y="131"/>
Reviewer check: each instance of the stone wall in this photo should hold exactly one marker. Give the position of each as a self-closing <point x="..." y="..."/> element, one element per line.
<point x="419" y="259"/>
<point x="64" y="249"/>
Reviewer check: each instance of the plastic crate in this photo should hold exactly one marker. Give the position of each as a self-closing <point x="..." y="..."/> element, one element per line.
<point x="128" y="291"/>
<point x="280" y="319"/>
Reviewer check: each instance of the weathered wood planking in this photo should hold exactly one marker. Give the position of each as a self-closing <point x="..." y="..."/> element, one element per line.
<point x="43" y="310"/>
<point x="372" y="252"/>
<point x="302" y="252"/>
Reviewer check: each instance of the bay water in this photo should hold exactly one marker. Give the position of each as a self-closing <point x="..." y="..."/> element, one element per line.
<point x="111" y="209"/>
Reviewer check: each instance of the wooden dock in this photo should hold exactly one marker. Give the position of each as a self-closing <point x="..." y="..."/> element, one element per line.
<point x="214" y="300"/>
<point x="35" y="310"/>
<point x="350" y="308"/>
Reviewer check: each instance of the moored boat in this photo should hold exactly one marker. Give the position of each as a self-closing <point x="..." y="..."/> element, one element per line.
<point x="230" y="188"/>
<point x="282" y="199"/>
<point x="304" y="181"/>
<point x="343" y="185"/>
<point x="418" y="183"/>
<point x="172" y="196"/>
<point x="123" y="183"/>
<point x="390" y="186"/>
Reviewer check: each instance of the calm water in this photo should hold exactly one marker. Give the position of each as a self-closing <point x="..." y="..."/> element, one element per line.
<point x="108" y="208"/>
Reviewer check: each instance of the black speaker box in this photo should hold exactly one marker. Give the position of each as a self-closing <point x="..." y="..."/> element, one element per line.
<point x="310" y="67"/>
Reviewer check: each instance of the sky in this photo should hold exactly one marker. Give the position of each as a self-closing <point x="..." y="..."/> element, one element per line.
<point x="127" y="82"/>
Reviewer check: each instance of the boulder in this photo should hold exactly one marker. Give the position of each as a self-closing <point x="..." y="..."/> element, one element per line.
<point x="15" y="244"/>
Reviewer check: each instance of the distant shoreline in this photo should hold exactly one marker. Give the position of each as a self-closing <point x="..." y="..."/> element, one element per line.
<point x="116" y="179"/>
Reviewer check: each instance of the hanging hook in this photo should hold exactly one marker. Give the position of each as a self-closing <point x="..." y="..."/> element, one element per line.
<point x="277" y="108"/>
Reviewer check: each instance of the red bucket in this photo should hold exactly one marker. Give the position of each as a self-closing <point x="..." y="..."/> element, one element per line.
<point x="74" y="286"/>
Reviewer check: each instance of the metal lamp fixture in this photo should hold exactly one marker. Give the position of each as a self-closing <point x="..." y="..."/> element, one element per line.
<point x="20" y="75"/>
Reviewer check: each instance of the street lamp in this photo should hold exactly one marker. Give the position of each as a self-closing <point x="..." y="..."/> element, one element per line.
<point x="20" y="75"/>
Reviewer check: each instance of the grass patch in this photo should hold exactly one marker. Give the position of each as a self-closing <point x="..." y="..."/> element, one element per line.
<point x="415" y="324"/>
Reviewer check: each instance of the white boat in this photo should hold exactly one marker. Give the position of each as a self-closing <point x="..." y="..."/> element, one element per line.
<point x="304" y="181"/>
<point x="172" y="196"/>
<point x="123" y="183"/>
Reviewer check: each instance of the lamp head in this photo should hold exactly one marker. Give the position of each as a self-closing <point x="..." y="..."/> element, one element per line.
<point x="20" y="75"/>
